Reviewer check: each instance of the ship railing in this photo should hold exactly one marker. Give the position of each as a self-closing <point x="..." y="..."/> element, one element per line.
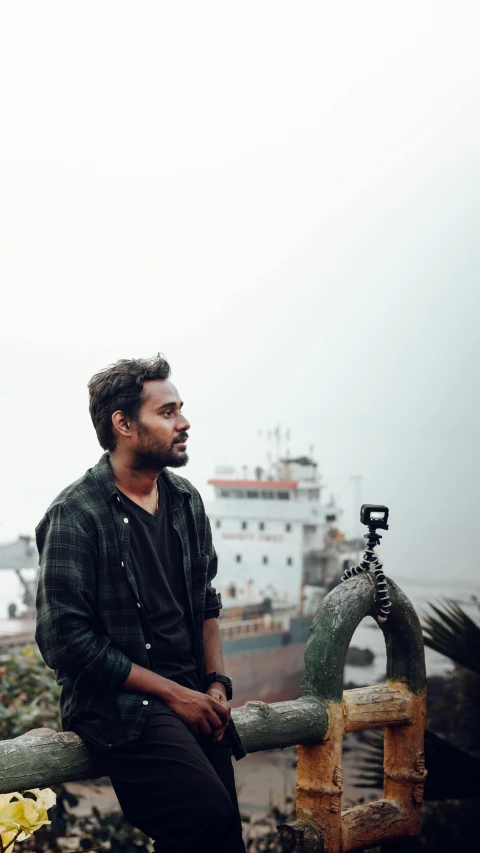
<point x="246" y="627"/>
<point x="316" y="723"/>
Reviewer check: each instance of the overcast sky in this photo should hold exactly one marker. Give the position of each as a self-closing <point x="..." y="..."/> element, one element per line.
<point x="283" y="198"/>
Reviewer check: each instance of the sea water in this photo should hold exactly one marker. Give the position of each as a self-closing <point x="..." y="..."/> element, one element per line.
<point x="11" y="592"/>
<point x="422" y="592"/>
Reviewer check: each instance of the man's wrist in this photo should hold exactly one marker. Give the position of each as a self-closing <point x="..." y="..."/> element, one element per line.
<point x="218" y="678"/>
<point x="217" y="685"/>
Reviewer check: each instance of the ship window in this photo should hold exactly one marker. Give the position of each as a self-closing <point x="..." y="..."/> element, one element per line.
<point x="244" y="525"/>
<point x="218" y="523"/>
<point x="288" y="527"/>
<point x="224" y="493"/>
<point x="283" y="496"/>
<point x="289" y="561"/>
<point x="267" y="495"/>
<point x="238" y="493"/>
<point x="252" y="494"/>
<point x="261" y="526"/>
<point x="264" y="560"/>
<point x="238" y="558"/>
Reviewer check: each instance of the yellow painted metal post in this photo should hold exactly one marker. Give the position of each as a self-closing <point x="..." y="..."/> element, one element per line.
<point x="320" y="781"/>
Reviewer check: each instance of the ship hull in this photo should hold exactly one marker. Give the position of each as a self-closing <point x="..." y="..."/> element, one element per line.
<point x="269" y="675"/>
<point x="267" y="666"/>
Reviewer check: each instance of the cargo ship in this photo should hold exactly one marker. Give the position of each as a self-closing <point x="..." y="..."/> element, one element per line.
<point x="280" y="549"/>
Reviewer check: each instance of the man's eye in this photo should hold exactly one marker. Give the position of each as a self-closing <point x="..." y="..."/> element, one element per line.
<point x="168" y="412"/>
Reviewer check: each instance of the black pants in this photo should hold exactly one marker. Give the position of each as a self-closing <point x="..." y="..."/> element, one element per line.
<point x="177" y="791"/>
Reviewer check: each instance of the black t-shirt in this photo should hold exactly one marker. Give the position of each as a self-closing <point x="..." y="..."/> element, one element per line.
<point x="156" y="558"/>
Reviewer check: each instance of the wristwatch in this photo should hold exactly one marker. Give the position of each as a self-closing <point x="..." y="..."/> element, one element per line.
<point x="222" y="679"/>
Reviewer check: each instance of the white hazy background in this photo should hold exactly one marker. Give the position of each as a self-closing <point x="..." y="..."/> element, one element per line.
<point x="283" y="198"/>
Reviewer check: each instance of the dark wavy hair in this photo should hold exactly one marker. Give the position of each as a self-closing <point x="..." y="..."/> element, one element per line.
<point x="120" y="387"/>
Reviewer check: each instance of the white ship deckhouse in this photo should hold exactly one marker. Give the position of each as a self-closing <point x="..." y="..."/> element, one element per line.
<point x="273" y="536"/>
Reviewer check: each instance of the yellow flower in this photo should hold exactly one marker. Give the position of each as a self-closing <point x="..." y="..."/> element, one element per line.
<point x="20" y="816"/>
<point x="7" y="836"/>
<point x="47" y="798"/>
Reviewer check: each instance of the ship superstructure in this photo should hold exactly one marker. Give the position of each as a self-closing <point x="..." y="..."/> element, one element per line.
<point x="274" y="535"/>
<point x="280" y="548"/>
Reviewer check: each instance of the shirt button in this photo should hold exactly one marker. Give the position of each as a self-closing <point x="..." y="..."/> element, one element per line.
<point x="145" y="702"/>
<point x="126" y="520"/>
<point x="123" y="565"/>
<point x="138" y="603"/>
<point x="148" y="645"/>
<point x="118" y="498"/>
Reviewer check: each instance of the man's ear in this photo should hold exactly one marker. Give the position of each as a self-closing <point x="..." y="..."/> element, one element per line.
<point x="122" y="425"/>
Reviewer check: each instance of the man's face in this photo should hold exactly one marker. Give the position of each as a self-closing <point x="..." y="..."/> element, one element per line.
<point x="161" y="431"/>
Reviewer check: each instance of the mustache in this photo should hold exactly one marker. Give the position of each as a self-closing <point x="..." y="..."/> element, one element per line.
<point x="182" y="437"/>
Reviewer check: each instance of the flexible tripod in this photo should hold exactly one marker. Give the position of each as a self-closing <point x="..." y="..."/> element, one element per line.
<point x="373" y="516"/>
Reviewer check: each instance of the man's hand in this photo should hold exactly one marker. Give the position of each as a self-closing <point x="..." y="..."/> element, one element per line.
<point x="217" y="692"/>
<point x="203" y="713"/>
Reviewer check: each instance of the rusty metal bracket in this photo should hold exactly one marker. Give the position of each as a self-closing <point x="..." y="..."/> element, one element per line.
<point x="399" y="706"/>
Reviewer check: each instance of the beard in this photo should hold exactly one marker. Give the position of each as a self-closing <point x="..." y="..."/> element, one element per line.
<point x="153" y="456"/>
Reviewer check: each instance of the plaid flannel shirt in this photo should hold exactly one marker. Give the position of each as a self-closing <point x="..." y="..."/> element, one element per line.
<point x="91" y="623"/>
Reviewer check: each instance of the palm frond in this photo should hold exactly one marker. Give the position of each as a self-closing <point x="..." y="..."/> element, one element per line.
<point x="452" y="633"/>
<point x="370" y="761"/>
<point x="452" y="772"/>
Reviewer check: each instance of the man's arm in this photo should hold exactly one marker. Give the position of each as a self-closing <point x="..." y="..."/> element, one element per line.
<point x="204" y="714"/>
<point x="212" y="643"/>
<point x="66" y="606"/>
<point x="212" y="648"/>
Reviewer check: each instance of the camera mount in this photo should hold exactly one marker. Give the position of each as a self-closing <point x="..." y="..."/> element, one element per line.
<point x="374" y="516"/>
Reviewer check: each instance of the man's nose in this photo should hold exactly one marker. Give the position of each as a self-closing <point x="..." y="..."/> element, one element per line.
<point x="183" y="424"/>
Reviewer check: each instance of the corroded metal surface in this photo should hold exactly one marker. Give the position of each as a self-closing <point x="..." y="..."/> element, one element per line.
<point x="301" y="837"/>
<point x="399" y="706"/>
<point x="373" y="823"/>
<point x="332" y="629"/>
<point x="281" y="724"/>
<point x="404" y="763"/>
<point x="371" y="707"/>
<point x="43" y="757"/>
<point x="320" y="781"/>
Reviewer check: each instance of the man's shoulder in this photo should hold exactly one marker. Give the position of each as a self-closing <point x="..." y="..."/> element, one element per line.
<point x="82" y="489"/>
<point x="82" y="497"/>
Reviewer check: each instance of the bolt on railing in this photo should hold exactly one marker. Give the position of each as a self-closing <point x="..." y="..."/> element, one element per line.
<point x="316" y="722"/>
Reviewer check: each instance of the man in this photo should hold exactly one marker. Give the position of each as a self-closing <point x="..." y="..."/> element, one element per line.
<point x="128" y="618"/>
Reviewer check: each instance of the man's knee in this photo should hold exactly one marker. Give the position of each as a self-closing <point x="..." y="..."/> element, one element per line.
<point x="207" y="825"/>
<point x="216" y="812"/>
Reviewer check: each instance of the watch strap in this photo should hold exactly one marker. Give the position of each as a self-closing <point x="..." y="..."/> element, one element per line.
<point x="212" y="677"/>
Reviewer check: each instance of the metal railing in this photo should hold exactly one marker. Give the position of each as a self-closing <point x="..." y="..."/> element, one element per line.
<point x="317" y="723"/>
